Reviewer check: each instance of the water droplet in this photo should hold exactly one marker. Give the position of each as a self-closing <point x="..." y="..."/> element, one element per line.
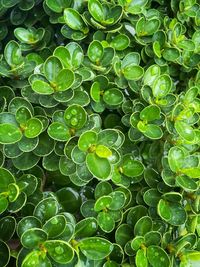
<point x="74" y="121"/>
<point x="59" y="250"/>
<point x="73" y="112"/>
<point x="156" y="254"/>
<point x="68" y="117"/>
<point x="54" y="221"/>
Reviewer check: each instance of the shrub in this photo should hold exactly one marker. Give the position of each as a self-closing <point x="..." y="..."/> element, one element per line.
<point x="99" y="133"/>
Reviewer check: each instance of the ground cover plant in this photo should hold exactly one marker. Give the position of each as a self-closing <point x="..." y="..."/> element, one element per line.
<point x="99" y="133"/>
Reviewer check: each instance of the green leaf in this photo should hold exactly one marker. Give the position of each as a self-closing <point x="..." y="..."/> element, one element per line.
<point x="102" y="188"/>
<point x="76" y="54"/>
<point x="186" y="183"/>
<point x="87" y="140"/>
<point x="74" y="20"/>
<point x="176" y="157"/>
<point x="151" y="74"/>
<point x="157" y="256"/>
<point x="55" y="226"/>
<point x="12" y="54"/>
<point x="191" y="172"/>
<point x="133" y="73"/>
<point x="95" y="51"/>
<point x="171" y="54"/>
<point x="52" y="67"/>
<point x="35" y="257"/>
<point x="147" y="27"/>
<point x="190" y="258"/>
<point x="64" y="80"/>
<point x="86" y="227"/>
<point x="25" y="161"/>
<point x="120" y="42"/>
<point x="95" y="91"/>
<point x="6" y="179"/>
<point x="172" y="212"/>
<point x="8" y="227"/>
<point x="22" y="115"/>
<point x="96" y="10"/>
<point x="42" y="87"/>
<point x="135" y="7"/>
<point x="69" y="198"/>
<point x="150" y="113"/>
<point x="15" y="206"/>
<point x="59" y="131"/>
<point x="162" y="86"/>
<point x="46" y="209"/>
<point x="63" y="54"/>
<point x="4" y="254"/>
<point x="113" y="97"/>
<point x="95" y="248"/>
<point x="33" y="128"/>
<point x="152" y="197"/>
<point x="185" y="131"/>
<point x="118" y="200"/>
<point x="99" y="167"/>
<point x="13" y="192"/>
<point x="131" y="167"/>
<point x="110" y="138"/>
<point x="59" y="251"/>
<point x="3" y="203"/>
<point x="151" y="131"/>
<point x="32" y="238"/>
<point x="75" y="116"/>
<point x="152" y="238"/>
<point x="123" y="234"/>
<point x="103" y="151"/>
<point x="102" y="203"/>
<point x="57" y="5"/>
<point x="27" y="223"/>
<point x="9" y="134"/>
<point x="106" y="222"/>
<point x="28" y="36"/>
<point x="141" y="259"/>
<point x="143" y="226"/>
<point x="187" y="45"/>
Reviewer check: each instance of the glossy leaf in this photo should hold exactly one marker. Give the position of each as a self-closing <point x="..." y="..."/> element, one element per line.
<point x="99" y="167"/>
<point x="33" y="237"/>
<point x="102" y="247"/>
<point x="156" y="255"/>
<point x="59" y="251"/>
<point x="9" y="134"/>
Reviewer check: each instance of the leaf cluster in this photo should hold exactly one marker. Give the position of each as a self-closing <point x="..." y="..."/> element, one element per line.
<point x="99" y="133"/>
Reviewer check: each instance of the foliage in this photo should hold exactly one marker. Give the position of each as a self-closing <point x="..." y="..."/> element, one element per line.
<point x="99" y="133"/>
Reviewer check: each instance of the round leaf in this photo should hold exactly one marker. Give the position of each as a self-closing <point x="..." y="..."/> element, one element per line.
<point x="106" y="221"/>
<point x="33" y="128"/>
<point x="131" y="167"/>
<point x="99" y="167"/>
<point x="162" y="86"/>
<point x="156" y="256"/>
<point x="95" y="51"/>
<point x="59" y="251"/>
<point x="55" y="226"/>
<point x="75" y="116"/>
<point x="9" y="134"/>
<point x="133" y="73"/>
<point x="95" y="248"/>
<point x="32" y="238"/>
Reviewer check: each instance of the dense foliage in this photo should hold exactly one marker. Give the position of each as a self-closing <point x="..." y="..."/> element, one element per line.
<point x="99" y="133"/>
